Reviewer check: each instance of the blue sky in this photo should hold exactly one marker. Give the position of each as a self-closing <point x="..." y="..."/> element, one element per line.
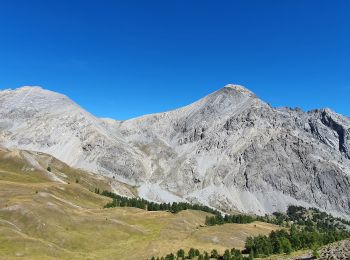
<point x="122" y="59"/>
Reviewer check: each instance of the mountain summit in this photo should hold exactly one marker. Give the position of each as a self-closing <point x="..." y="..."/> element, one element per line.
<point x="238" y="88"/>
<point x="229" y="150"/>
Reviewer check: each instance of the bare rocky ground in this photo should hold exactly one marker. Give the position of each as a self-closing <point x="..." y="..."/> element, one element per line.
<point x="339" y="250"/>
<point x="335" y="251"/>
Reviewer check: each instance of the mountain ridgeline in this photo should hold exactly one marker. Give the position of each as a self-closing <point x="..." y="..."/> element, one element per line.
<point x="229" y="150"/>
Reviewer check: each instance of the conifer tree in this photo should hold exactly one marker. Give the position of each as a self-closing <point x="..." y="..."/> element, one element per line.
<point x="181" y="253"/>
<point x="191" y="253"/>
<point x="214" y="253"/>
<point x="227" y="255"/>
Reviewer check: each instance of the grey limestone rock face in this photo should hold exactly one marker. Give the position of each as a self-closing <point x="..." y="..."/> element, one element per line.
<point x="229" y="150"/>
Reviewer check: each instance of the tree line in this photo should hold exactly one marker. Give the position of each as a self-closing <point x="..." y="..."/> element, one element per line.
<point x="310" y="218"/>
<point x="233" y="254"/>
<point x="218" y="219"/>
<point x="175" y="207"/>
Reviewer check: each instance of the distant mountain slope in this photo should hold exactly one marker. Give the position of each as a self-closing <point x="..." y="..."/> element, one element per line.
<point x="229" y="150"/>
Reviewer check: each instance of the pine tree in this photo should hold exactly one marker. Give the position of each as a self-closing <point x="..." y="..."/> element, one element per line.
<point x="227" y="255"/>
<point x="191" y="253"/>
<point x="181" y="253"/>
<point x="196" y="252"/>
<point x="214" y="253"/>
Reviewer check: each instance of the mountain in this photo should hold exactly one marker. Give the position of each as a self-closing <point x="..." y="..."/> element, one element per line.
<point x="36" y="119"/>
<point x="229" y="150"/>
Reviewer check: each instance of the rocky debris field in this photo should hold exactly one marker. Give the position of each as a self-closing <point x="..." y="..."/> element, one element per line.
<point x="340" y="250"/>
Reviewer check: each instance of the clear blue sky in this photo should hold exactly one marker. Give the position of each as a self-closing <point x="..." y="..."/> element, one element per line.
<point x="122" y="59"/>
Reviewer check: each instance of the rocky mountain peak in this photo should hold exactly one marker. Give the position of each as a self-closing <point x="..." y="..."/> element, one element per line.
<point x="228" y="99"/>
<point x="238" y="89"/>
<point x="233" y="91"/>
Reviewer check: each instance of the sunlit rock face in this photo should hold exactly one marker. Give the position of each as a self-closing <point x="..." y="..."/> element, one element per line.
<point x="229" y="150"/>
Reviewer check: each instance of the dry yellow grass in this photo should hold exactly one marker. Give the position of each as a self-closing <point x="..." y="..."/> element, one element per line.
<point x="45" y="219"/>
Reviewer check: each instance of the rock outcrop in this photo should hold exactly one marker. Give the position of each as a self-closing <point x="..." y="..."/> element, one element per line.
<point x="339" y="250"/>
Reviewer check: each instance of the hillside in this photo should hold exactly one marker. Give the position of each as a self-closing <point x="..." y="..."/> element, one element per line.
<point x="57" y="215"/>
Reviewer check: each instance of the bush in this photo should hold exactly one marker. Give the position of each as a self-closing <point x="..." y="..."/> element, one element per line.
<point x="315" y="254"/>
